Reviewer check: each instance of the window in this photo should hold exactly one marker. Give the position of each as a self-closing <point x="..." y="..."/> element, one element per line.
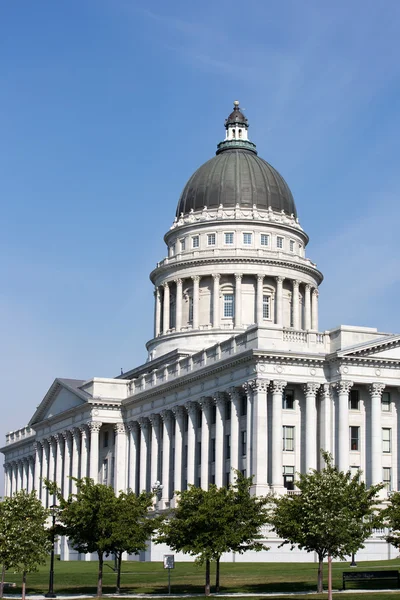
<point x="279" y="242"/>
<point x="183" y="244"/>
<point x="191" y="309"/>
<point x="228" y="446"/>
<point x="288" y="399"/>
<point x="288" y="477"/>
<point x="385" y="402"/>
<point x="195" y="241"/>
<point x="172" y="250"/>
<point x="211" y="239"/>
<point x="355" y="471"/>
<point x="233" y="133"/>
<point x="354" y="438"/>
<point x="243" y="442"/>
<point x="264" y="239"/>
<point x="105" y="439"/>
<point x="387" y="478"/>
<point x="288" y="438"/>
<point x="229" y="238"/>
<point x="354" y="400"/>
<point x="247" y="239"/>
<point x="291" y="246"/>
<point x="228" y="305"/>
<point x="243" y="406"/>
<point x="266" y="307"/>
<point x="240" y="133"/>
<point x="386" y="440"/>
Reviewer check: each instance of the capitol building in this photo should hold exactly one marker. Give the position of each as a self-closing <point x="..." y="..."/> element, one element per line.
<point x="238" y="374"/>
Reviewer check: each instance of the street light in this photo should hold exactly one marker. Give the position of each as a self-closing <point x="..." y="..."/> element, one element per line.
<point x="353" y="560"/>
<point x="50" y="593"/>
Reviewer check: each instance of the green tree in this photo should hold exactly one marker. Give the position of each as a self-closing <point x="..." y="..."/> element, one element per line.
<point x="132" y="526"/>
<point x="87" y="518"/>
<point x="333" y="514"/>
<point x="207" y="523"/>
<point x="391" y="518"/>
<point x="23" y="529"/>
<point x="6" y="550"/>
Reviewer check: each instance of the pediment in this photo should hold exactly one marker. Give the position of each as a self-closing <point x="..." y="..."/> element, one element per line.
<point x="63" y="395"/>
<point x="387" y="348"/>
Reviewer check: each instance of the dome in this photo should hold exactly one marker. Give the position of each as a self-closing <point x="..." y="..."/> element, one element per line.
<point x="236" y="176"/>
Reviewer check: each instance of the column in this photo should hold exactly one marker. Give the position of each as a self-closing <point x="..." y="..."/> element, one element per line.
<point x="278" y="388"/>
<point x="178" y="305"/>
<point x="310" y="390"/>
<point x="59" y="460"/>
<point x="206" y="405"/>
<point x="84" y="450"/>
<point x="238" y="300"/>
<point x="14" y="477"/>
<point x="259" y="299"/>
<point x="219" y="400"/>
<point x="76" y="438"/>
<point x="196" y="285"/>
<point x="155" y="421"/>
<point x="31" y="467"/>
<point x="157" y="312"/>
<point x="52" y="458"/>
<point x="216" y="321"/>
<point x="314" y="310"/>
<point x="38" y="456"/>
<point x="326" y="419"/>
<point x="375" y="390"/>
<point x="279" y="301"/>
<point x="234" y="396"/>
<point x="144" y="446"/>
<point x="166" y="308"/>
<point x="179" y="427"/>
<point x="307" y="307"/>
<point x="94" y="427"/>
<point x="45" y="470"/>
<point x="191" y="408"/>
<point x="67" y="463"/>
<point x="249" y="423"/>
<point x="120" y="466"/>
<point x="343" y="388"/>
<point x="133" y="456"/>
<point x="25" y="463"/>
<point x="295" y="305"/>
<point x="258" y="439"/>
<point x="167" y="419"/>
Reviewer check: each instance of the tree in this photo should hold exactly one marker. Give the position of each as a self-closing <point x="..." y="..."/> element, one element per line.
<point x="391" y="518"/>
<point x="333" y="514"/>
<point x="132" y="526"/>
<point x="207" y="523"/>
<point x="6" y="550"/>
<point x="23" y="529"/>
<point x="87" y="519"/>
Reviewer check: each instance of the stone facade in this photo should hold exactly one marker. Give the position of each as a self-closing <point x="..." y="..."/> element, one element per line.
<point x="238" y="376"/>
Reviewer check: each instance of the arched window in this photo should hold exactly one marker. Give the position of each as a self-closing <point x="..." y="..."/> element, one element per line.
<point x="240" y="133"/>
<point x="233" y="133"/>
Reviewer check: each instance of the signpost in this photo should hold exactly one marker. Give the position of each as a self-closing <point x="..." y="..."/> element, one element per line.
<point x="169" y="563"/>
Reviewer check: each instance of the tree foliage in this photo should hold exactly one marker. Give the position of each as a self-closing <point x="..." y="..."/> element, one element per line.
<point x="207" y="523"/>
<point x="333" y="514"/>
<point x="24" y="539"/>
<point x="391" y="517"/>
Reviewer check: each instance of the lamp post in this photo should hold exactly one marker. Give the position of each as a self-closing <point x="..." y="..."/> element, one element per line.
<point x="157" y="489"/>
<point x="353" y="560"/>
<point x="50" y="593"/>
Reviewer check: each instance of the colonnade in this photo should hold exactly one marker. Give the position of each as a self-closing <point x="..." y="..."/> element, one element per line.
<point x="307" y="319"/>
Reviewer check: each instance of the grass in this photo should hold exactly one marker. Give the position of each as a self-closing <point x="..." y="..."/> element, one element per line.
<point x="188" y="578"/>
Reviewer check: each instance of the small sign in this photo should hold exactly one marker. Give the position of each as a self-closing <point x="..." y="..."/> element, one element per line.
<point x="169" y="561"/>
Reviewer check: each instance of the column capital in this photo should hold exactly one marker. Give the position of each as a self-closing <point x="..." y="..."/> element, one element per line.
<point x="76" y="433"/>
<point x="67" y="435"/>
<point x="238" y="277"/>
<point x="260" y="278"/>
<point x="247" y="387"/>
<point x="155" y="420"/>
<point x="219" y="398"/>
<point x="307" y="287"/>
<point x="216" y="276"/>
<point x="156" y="291"/>
<point x="296" y="283"/>
<point x="325" y="390"/>
<point x="315" y="292"/>
<point x="234" y="394"/>
<point x="376" y="389"/>
<point x="278" y="386"/>
<point x="94" y="426"/>
<point x="178" y="281"/>
<point x="196" y="278"/>
<point x="205" y="403"/>
<point x="133" y="426"/>
<point x="191" y="408"/>
<point x="343" y="386"/>
<point x="119" y="428"/>
<point x="167" y="415"/>
<point x="178" y="411"/>
<point x="84" y="429"/>
<point x="280" y="279"/>
<point x="311" y="388"/>
<point x="165" y="284"/>
<point x="259" y="385"/>
<point x="144" y="423"/>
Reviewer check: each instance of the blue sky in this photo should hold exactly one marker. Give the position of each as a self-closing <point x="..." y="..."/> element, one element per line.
<point x="108" y="106"/>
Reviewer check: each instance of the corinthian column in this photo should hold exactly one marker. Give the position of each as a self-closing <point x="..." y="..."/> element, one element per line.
<point x="133" y="456"/>
<point x="157" y="312"/>
<point x="84" y="450"/>
<point x="238" y="300"/>
<point x="219" y="400"/>
<point x="45" y="470"/>
<point x="234" y="396"/>
<point x="67" y="463"/>
<point x="179" y="427"/>
<point x="144" y="447"/>
<point x="375" y="390"/>
<point x="310" y="390"/>
<point x="59" y="460"/>
<point x="249" y="424"/>
<point x="278" y="388"/>
<point x="279" y="301"/>
<point x="295" y="305"/>
<point x="343" y="388"/>
<point x="259" y="440"/>
<point x="155" y="421"/>
<point x="94" y="427"/>
<point x="326" y="417"/>
<point x="259" y="299"/>
<point x="191" y="408"/>
<point x="196" y="284"/>
<point x="38" y="456"/>
<point x="178" y="305"/>
<point x="52" y="458"/>
<point x="166" y="307"/>
<point x="206" y="405"/>
<point x="307" y="307"/>
<point x="216" y="322"/>
<point x="76" y="439"/>
<point x="120" y="466"/>
<point x="166" y="416"/>
<point x="314" y="310"/>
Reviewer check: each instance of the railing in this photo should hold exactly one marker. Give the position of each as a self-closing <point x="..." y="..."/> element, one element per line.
<point x="19" y="434"/>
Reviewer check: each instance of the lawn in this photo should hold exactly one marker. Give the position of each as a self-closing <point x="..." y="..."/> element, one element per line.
<point x="187" y="578"/>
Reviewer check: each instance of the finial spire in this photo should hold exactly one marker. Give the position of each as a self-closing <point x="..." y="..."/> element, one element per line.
<point x="236" y="136"/>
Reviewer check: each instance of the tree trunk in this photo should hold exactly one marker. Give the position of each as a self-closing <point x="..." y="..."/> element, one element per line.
<point x="217" y="576"/>
<point x="320" y="586"/>
<point x="100" y="575"/>
<point x="3" y="576"/>
<point x="23" y="584"/>
<point x="207" y="587"/>
<point x="329" y="577"/>
<point x="119" y="563"/>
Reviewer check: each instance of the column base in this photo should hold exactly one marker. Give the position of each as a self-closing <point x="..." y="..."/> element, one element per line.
<point x="278" y="490"/>
<point x="165" y="503"/>
<point x="260" y="489"/>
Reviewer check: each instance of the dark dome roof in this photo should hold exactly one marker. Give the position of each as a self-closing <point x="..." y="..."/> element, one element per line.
<point x="236" y="176"/>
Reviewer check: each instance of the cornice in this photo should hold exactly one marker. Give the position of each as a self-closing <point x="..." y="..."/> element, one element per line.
<point x="392" y="363"/>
